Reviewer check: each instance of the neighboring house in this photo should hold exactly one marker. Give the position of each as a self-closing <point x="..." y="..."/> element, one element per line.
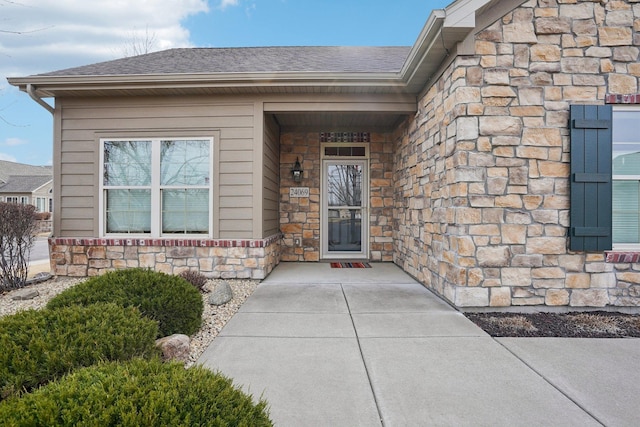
<point x="27" y="184"/>
<point x="479" y="160"/>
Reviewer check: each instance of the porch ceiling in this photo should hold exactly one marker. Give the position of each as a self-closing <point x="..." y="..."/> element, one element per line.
<point x="339" y="121"/>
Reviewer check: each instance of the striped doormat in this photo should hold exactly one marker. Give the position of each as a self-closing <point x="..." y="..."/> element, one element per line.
<point x="350" y="265"/>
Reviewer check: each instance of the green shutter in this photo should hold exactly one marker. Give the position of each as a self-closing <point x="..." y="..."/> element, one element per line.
<point x="591" y="151"/>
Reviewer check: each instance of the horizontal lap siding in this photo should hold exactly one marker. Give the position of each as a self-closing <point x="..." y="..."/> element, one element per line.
<point x="84" y="121"/>
<point x="271" y="178"/>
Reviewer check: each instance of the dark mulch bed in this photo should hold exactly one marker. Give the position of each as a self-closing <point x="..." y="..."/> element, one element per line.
<point x="596" y="324"/>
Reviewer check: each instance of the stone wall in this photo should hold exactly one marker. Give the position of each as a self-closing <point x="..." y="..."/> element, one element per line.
<point x="300" y="216"/>
<point x="227" y="259"/>
<point x="481" y="171"/>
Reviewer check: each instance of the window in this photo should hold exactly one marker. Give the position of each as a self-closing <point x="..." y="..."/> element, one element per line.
<point x="157" y="187"/>
<point x="24" y="200"/>
<point x="12" y="199"/>
<point x="626" y="177"/>
<point x="41" y="204"/>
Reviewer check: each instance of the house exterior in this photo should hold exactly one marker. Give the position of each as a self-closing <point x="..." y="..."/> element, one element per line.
<point x="495" y="160"/>
<point x="26" y="184"/>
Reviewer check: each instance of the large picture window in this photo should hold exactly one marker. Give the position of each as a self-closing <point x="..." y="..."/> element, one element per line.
<point x="626" y="177"/>
<point x="157" y="187"/>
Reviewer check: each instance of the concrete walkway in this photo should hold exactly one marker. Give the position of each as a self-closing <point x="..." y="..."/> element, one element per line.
<point x="371" y="347"/>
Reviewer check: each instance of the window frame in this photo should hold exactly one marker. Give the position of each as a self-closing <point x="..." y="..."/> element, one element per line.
<point x="156" y="188"/>
<point x="41" y="202"/>
<point x="614" y="177"/>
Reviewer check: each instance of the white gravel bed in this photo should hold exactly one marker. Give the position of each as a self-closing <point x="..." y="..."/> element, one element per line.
<point x="213" y="318"/>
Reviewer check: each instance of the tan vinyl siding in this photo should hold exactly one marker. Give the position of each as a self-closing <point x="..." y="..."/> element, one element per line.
<point x="271" y="178"/>
<point x="85" y="121"/>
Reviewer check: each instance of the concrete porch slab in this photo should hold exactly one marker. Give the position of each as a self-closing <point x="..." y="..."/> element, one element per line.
<point x="392" y="297"/>
<point x="296" y="298"/>
<point x="599" y="374"/>
<point x="307" y="381"/>
<point x="321" y="272"/>
<point x="415" y="325"/>
<point x="461" y="381"/>
<point x="292" y="325"/>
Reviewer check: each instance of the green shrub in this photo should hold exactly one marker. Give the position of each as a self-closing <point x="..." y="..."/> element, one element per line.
<point x="196" y="278"/>
<point x="136" y="393"/>
<point x="38" y="346"/>
<point x="170" y="300"/>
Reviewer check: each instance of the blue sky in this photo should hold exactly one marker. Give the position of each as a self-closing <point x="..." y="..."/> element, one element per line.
<point x="38" y="36"/>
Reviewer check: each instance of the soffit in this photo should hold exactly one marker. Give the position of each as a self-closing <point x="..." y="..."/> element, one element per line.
<point x="339" y="122"/>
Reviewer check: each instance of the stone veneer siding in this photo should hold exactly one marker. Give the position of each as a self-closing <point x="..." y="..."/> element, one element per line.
<point x="227" y="259"/>
<point x="482" y="170"/>
<point x="300" y="216"/>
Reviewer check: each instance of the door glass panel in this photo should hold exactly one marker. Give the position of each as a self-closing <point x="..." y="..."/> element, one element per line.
<point x="344" y="222"/>
<point x="344" y="185"/>
<point x="345" y="230"/>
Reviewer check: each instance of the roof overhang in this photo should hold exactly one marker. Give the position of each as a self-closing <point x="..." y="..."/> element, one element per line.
<point x="443" y="31"/>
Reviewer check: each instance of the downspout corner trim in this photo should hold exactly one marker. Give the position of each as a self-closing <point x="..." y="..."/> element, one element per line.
<point x="32" y="93"/>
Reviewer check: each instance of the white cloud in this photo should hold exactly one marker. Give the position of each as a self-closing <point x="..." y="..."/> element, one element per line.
<point x="226" y="3"/>
<point x="12" y="142"/>
<point x="7" y="157"/>
<point x="58" y="34"/>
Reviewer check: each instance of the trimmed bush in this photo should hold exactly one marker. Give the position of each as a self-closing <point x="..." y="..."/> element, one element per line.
<point x="196" y="278"/>
<point x="170" y="300"/>
<point x="17" y="234"/>
<point x="137" y="393"/>
<point x="39" y="346"/>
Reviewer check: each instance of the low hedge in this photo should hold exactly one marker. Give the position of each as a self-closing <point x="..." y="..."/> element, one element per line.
<point x="39" y="346"/>
<point x="136" y="393"/>
<point x="170" y="300"/>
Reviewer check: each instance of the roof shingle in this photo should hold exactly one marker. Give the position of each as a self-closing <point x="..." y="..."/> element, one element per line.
<point x="336" y="59"/>
<point x="24" y="184"/>
<point x="8" y="169"/>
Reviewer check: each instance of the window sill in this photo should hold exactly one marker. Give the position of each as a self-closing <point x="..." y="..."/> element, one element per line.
<point x="622" y="257"/>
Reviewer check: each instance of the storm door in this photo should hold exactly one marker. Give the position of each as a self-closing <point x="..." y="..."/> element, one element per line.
<point x="344" y="227"/>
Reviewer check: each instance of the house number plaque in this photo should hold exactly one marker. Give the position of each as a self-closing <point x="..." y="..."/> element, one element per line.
<point x="299" y="192"/>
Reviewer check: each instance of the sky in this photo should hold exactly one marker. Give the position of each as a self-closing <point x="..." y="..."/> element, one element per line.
<point x="38" y="36"/>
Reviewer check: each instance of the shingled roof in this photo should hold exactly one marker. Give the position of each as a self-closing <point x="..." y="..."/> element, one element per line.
<point x="24" y="183"/>
<point x="8" y="169"/>
<point x="294" y="69"/>
<point x="345" y="59"/>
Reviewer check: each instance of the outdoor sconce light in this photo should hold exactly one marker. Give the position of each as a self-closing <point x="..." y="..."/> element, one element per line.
<point x="296" y="172"/>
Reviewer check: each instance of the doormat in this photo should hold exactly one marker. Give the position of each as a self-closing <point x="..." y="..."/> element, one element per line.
<point x="350" y="265"/>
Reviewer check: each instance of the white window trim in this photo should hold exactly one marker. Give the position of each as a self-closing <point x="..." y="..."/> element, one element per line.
<point x="634" y="247"/>
<point x="156" y="208"/>
<point x="364" y="145"/>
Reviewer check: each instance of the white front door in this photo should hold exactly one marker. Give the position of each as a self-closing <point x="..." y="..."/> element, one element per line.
<point x="345" y="196"/>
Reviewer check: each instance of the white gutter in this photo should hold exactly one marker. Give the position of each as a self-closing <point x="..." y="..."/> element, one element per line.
<point x="32" y="93"/>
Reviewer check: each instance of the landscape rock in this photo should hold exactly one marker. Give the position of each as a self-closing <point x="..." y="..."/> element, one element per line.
<point x="38" y="278"/>
<point x="25" y="294"/>
<point x="221" y="294"/>
<point x="174" y="347"/>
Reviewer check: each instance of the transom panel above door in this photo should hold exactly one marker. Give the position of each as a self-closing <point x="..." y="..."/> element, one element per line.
<point x="345" y="200"/>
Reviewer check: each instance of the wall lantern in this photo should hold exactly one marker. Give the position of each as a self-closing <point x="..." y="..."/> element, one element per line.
<point x="296" y="172"/>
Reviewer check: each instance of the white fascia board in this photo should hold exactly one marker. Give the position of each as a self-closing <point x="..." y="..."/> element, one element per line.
<point x="421" y="47"/>
<point x="462" y="13"/>
<point x="43" y="185"/>
<point x="47" y="85"/>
